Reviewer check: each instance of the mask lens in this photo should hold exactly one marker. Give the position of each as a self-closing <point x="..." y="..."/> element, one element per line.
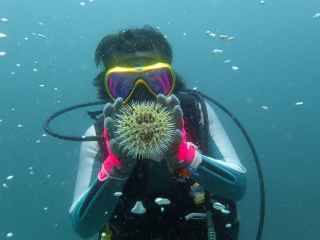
<point x="121" y="84"/>
<point x="159" y="80"/>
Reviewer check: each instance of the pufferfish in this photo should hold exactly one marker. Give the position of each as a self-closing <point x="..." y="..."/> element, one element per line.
<point x="144" y="129"/>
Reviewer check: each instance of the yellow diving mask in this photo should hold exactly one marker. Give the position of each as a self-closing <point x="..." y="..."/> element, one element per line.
<point x="159" y="78"/>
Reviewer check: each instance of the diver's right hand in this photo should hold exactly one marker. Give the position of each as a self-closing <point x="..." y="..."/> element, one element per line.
<point x="118" y="165"/>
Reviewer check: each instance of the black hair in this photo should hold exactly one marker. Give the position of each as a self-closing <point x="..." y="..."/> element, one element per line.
<point x="145" y="39"/>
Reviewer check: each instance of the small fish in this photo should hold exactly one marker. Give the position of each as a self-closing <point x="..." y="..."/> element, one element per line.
<point x="207" y="32"/>
<point x="9" y="177"/>
<point x="231" y="38"/>
<point x="219" y="206"/>
<point x="217" y="52"/>
<point x="212" y="35"/>
<point x="162" y="201"/>
<point x="262" y="3"/>
<point x="223" y="37"/>
<point x="264" y="108"/>
<point x="298" y="103"/>
<point x="228" y="225"/>
<point x="42" y="36"/>
<point x="2" y="35"/>
<point x="234" y="68"/>
<point x="4" y="20"/>
<point x="40" y="24"/>
<point x="2" y="54"/>
<point x="317" y="16"/>
<point x="9" y="234"/>
<point x="117" y="194"/>
<point x="225" y="211"/>
<point x="228" y="61"/>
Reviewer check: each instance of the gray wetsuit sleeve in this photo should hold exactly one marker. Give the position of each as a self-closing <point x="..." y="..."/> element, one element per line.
<point x="221" y="173"/>
<point x="94" y="201"/>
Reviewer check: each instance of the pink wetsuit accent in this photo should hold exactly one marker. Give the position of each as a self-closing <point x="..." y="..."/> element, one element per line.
<point x="109" y="162"/>
<point x="186" y="150"/>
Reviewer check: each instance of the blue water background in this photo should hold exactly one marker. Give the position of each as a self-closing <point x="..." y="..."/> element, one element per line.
<point x="277" y="52"/>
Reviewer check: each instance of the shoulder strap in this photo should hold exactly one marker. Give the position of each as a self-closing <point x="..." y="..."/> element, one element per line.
<point x="98" y="126"/>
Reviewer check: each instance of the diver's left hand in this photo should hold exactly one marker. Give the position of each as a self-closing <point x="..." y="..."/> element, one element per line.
<point x="180" y="154"/>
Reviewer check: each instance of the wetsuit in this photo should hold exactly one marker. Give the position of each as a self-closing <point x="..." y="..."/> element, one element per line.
<point x="220" y="173"/>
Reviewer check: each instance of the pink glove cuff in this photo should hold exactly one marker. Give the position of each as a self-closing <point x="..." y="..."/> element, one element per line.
<point x="183" y="150"/>
<point x="191" y="154"/>
<point x="108" y="163"/>
<point x="186" y="151"/>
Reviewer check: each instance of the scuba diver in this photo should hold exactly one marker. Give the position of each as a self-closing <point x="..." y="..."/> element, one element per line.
<point x="189" y="191"/>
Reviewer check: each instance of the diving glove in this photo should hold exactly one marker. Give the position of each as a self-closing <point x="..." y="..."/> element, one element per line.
<point x="118" y="165"/>
<point x="181" y="154"/>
